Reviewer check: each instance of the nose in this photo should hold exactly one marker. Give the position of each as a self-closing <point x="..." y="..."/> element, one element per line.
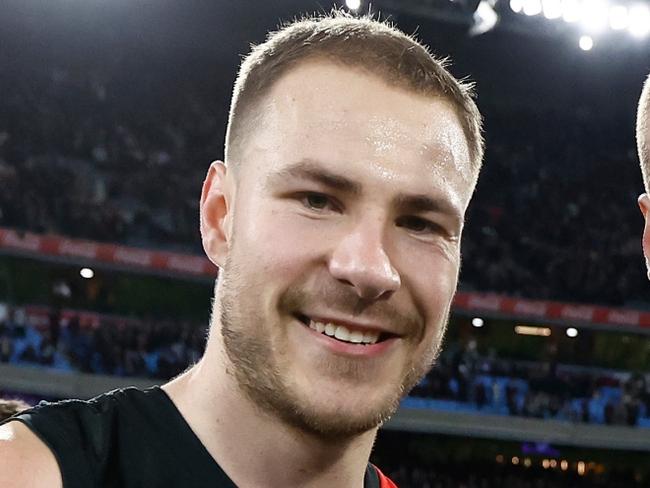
<point x="360" y="260"/>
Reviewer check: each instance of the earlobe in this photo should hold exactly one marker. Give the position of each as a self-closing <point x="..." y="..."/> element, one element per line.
<point x="214" y="208"/>
<point x="644" y="204"/>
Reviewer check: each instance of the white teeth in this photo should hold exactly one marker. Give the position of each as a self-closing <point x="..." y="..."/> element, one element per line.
<point x="355" y="337"/>
<point x="317" y="326"/>
<point x="342" y="333"/>
<point x="370" y="337"/>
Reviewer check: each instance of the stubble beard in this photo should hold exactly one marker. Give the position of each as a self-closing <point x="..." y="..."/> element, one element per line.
<point x="258" y="375"/>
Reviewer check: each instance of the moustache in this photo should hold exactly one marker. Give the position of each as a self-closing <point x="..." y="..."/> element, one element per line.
<point x="341" y="301"/>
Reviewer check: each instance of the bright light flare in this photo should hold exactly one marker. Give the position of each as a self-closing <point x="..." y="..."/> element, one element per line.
<point x="532" y="7"/>
<point x="639" y="25"/>
<point x="485" y="18"/>
<point x="478" y="322"/>
<point x="353" y="4"/>
<point x="517" y="6"/>
<point x="572" y="332"/>
<point x="571" y="10"/>
<point x="552" y="9"/>
<point x="86" y="273"/>
<point x="619" y="17"/>
<point x="594" y="16"/>
<point x="586" y="43"/>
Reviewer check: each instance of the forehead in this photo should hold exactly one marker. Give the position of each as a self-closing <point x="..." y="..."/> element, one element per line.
<point x="326" y="112"/>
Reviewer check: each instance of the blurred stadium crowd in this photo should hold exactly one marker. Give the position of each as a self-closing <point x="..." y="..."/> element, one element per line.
<point x="152" y="349"/>
<point x="554" y="216"/>
<point x="464" y="380"/>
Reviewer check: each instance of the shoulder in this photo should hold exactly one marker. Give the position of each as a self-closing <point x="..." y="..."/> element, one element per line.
<point x="71" y="439"/>
<point x="25" y="460"/>
<point x="44" y="444"/>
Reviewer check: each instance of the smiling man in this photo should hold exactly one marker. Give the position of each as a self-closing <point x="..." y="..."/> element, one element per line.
<point x="351" y="157"/>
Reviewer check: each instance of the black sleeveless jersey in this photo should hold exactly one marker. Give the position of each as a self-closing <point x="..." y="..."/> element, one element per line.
<point x="131" y="438"/>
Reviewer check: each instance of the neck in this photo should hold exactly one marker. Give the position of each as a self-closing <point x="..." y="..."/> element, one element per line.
<point x="256" y="448"/>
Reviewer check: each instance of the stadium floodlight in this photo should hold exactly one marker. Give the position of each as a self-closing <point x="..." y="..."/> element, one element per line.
<point x="594" y="16"/>
<point x="353" y="4"/>
<point x="619" y="17"/>
<point x="517" y="6"/>
<point x="571" y="10"/>
<point x="586" y="43"/>
<point x="532" y="7"/>
<point x="639" y="25"/>
<point x="86" y="273"/>
<point x="552" y="9"/>
<point x="478" y="322"/>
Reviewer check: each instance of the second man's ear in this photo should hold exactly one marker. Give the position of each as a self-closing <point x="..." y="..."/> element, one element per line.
<point x="214" y="209"/>
<point x="644" y="206"/>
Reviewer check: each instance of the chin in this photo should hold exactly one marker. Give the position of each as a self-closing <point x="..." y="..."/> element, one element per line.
<point x="345" y="415"/>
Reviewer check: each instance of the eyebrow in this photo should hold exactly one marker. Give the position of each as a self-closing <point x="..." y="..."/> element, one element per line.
<point x="312" y="170"/>
<point x="426" y="203"/>
<point x="308" y="169"/>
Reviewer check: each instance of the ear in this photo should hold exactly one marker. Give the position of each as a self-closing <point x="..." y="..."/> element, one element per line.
<point x="644" y="205"/>
<point x="215" y="213"/>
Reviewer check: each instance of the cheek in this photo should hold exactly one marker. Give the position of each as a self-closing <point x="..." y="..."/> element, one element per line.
<point x="281" y="242"/>
<point x="432" y="281"/>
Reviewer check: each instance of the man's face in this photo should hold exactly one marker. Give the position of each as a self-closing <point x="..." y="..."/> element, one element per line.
<point x="346" y="220"/>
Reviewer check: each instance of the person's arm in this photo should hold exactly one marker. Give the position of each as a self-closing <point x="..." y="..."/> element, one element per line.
<point x="25" y="461"/>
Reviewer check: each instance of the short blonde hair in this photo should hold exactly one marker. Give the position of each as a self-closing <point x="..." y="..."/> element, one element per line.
<point x="642" y="133"/>
<point x="361" y="42"/>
